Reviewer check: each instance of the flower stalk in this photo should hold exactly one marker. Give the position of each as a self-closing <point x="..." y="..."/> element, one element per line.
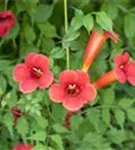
<point x="66" y="31"/>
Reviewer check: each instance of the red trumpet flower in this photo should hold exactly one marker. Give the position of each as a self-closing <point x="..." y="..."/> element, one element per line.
<point x="33" y="73"/>
<point x="23" y="147"/>
<point x="7" y="21"/>
<point x="94" y="45"/>
<point x="124" y="71"/>
<point x="74" y="90"/>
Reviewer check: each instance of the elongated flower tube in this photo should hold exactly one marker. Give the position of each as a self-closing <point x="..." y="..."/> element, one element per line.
<point x="94" y="45"/>
<point x="124" y="71"/>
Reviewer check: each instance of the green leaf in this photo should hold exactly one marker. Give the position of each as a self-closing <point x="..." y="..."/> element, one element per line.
<point x="29" y="33"/>
<point x="13" y="32"/>
<point x="116" y="136"/>
<point x="41" y="122"/>
<point x="8" y="121"/>
<point x="60" y="128"/>
<point x="108" y="96"/>
<point x="4" y="64"/>
<point x="57" y="53"/>
<point x="88" y="22"/>
<point x="131" y="114"/>
<point x="104" y="21"/>
<point x="129" y="24"/>
<point x="43" y="13"/>
<point x="75" y="121"/>
<point x="39" y="136"/>
<point x="31" y="6"/>
<point x="56" y="142"/>
<point x="94" y="117"/>
<point x="72" y="36"/>
<point x="3" y="85"/>
<point x="76" y="22"/>
<point x="125" y="103"/>
<point x="120" y="117"/>
<point x="58" y="112"/>
<point x="106" y="116"/>
<point x="22" y="126"/>
<point x="48" y="29"/>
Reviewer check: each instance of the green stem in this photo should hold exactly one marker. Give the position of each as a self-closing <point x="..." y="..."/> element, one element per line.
<point x="6" y="4"/>
<point x="66" y="31"/>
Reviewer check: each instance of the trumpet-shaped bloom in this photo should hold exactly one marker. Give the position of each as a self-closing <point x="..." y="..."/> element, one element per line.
<point x="73" y="90"/>
<point x="124" y="71"/>
<point x="94" y="45"/>
<point x="7" y="21"/>
<point x="23" y="147"/>
<point x="33" y="73"/>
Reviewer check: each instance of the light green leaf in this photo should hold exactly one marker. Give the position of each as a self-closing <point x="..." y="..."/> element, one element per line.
<point x="39" y="136"/>
<point x="3" y="85"/>
<point x="120" y="117"/>
<point x="42" y="122"/>
<point x="76" y="22"/>
<point x="8" y="121"/>
<point x="43" y="13"/>
<point x="129" y="24"/>
<point x="131" y="114"/>
<point x="29" y="33"/>
<point x="60" y="128"/>
<point x="56" y="142"/>
<point x="48" y="29"/>
<point x="104" y="21"/>
<point x="126" y="103"/>
<point x="106" y="116"/>
<point x="22" y="126"/>
<point x="88" y="22"/>
<point x="57" y="53"/>
<point x="108" y="96"/>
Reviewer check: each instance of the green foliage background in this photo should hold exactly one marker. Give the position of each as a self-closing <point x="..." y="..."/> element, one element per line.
<point x="108" y="123"/>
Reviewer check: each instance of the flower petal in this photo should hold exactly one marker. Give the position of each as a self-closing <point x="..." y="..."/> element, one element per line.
<point x="9" y="18"/>
<point x="130" y="69"/>
<point x="29" y="59"/>
<point x="20" y="72"/>
<point x="56" y="93"/>
<point x="68" y="76"/>
<point x="23" y="147"/>
<point x="41" y="61"/>
<point x="131" y="80"/>
<point x="121" y="77"/>
<point x="125" y="58"/>
<point x="88" y="93"/>
<point x="45" y="80"/>
<point x="3" y="29"/>
<point x="28" y="86"/>
<point x="112" y="36"/>
<point x="118" y="60"/>
<point x="83" y="77"/>
<point x="73" y="103"/>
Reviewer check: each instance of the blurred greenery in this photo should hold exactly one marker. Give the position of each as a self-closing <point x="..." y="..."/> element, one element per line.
<point x="106" y="124"/>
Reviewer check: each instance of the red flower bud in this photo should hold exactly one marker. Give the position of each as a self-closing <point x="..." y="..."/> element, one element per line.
<point x="94" y="45"/>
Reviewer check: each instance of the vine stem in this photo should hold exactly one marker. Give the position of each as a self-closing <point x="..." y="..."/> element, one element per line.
<point x="6" y="4"/>
<point x="66" y="31"/>
<point x="69" y="114"/>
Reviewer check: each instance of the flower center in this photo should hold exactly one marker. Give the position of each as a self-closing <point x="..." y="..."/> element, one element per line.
<point x="2" y="20"/>
<point x="72" y="90"/>
<point x="121" y="67"/>
<point x="36" y="72"/>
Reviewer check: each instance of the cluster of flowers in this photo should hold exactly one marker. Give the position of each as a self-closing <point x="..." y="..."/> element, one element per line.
<point x="74" y="89"/>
